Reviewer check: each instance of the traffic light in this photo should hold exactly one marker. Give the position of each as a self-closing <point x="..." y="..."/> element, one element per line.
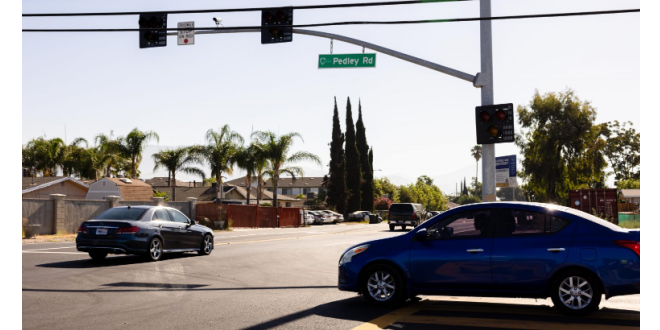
<point x="494" y="123"/>
<point x="273" y="20"/>
<point x="153" y="38"/>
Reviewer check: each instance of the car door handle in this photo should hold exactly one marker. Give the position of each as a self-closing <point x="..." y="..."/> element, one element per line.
<point x="556" y="250"/>
<point x="475" y="250"/>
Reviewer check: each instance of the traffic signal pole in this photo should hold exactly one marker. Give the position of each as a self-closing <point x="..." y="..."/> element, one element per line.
<point x="487" y="98"/>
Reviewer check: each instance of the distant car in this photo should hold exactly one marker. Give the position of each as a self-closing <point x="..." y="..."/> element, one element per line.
<point x="309" y="218"/>
<point x="359" y="216"/>
<point x="434" y="213"/>
<point x="406" y="214"/>
<point x="321" y="217"/>
<point x="336" y="216"/>
<point x="511" y="249"/>
<point x="144" y="230"/>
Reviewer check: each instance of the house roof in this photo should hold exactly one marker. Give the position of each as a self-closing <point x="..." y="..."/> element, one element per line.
<point x="630" y="193"/>
<point x="136" y="190"/>
<point x="304" y="182"/>
<point x="161" y="181"/>
<point x="266" y="196"/>
<point x="201" y="193"/>
<point x="43" y="182"/>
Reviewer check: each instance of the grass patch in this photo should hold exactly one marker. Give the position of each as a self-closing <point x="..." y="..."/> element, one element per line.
<point x="629" y="224"/>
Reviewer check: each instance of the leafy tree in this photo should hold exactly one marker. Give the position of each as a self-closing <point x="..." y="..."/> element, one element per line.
<point x="561" y="145"/>
<point x="219" y="152"/>
<point x="45" y="156"/>
<point x="246" y="158"/>
<point x="353" y="168"/>
<point x="177" y="160"/>
<point x="426" y="179"/>
<point x="475" y="188"/>
<point x="109" y="155"/>
<point x="276" y="150"/>
<point x="132" y="145"/>
<point x="367" y="187"/>
<point x="301" y="196"/>
<point x="628" y="184"/>
<point x="423" y="193"/>
<point x="385" y="187"/>
<point x="468" y="199"/>
<point x="335" y="181"/>
<point x="158" y="193"/>
<point x="382" y="203"/>
<point x="476" y="153"/>
<point x="623" y="150"/>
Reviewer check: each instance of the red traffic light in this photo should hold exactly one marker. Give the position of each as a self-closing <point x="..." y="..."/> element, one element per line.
<point x="493" y="131"/>
<point x="500" y="115"/>
<point x="484" y="115"/>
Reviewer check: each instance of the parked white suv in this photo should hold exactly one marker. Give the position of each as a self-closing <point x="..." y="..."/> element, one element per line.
<point x="336" y="216"/>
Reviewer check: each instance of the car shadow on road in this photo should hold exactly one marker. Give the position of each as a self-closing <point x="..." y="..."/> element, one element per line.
<point x="428" y="314"/>
<point x="111" y="261"/>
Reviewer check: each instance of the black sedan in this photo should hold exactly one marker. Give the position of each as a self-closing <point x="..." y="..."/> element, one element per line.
<point x="143" y="230"/>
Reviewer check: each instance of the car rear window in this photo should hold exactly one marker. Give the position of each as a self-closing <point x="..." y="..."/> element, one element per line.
<point x="122" y="214"/>
<point x="401" y="208"/>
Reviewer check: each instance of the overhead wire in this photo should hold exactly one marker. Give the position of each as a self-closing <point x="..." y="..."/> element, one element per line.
<point x="451" y="20"/>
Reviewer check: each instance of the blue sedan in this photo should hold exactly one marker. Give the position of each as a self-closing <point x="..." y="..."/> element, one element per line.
<point x="500" y="250"/>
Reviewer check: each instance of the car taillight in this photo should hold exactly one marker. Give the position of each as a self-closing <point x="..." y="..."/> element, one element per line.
<point x="413" y="215"/>
<point x="128" y="230"/>
<point x="633" y="245"/>
<point x="82" y="229"/>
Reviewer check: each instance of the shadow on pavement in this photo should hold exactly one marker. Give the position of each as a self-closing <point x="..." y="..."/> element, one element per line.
<point x="111" y="261"/>
<point x="132" y="287"/>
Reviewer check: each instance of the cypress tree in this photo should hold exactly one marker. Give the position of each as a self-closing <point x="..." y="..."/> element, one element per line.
<point x="366" y="190"/>
<point x="370" y="186"/>
<point x="353" y="168"/>
<point x="335" y="181"/>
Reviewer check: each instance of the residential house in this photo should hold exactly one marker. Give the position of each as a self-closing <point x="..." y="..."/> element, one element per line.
<point x="43" y="187"/>
<point x="126" y="189"/>
<point x="288" y="186"/>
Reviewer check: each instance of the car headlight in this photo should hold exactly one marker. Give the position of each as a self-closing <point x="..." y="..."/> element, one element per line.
<point x="348" y="255"/>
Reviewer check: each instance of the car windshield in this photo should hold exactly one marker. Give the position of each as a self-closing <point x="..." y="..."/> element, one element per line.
<point x="122" y="214"/>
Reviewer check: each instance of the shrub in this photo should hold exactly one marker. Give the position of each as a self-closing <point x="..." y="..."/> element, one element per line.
<point x="381" y="203"/>
<point x="265" y="204"/>
<point x="468" y="199"/>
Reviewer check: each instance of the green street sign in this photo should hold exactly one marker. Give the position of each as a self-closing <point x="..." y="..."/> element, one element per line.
<point x="340" y="61"/>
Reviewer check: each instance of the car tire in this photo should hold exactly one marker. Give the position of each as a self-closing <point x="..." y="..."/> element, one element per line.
<point x="207" y="245"/>
<point x="391" y="227"/>
<point x="382" y="285"/>
<point x="571" y="290"/>
<point x="155" y="250"/>
<point x="98" y="256"/>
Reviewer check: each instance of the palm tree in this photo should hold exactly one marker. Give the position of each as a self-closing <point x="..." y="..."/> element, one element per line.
<point x="177" y="160"/>
<point x="44" y="155"/>
<point x="108" y="153"/>
<point x="275" y="149"/>
<point x="132" y="146"/>
<point x="262" y="169"/>
<point x="220" y="153"/>
<point x="246" y="159"/>
<point x="476" y="153"/>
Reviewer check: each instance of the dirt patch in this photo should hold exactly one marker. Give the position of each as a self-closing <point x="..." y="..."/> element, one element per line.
<point x="50" y="239"/>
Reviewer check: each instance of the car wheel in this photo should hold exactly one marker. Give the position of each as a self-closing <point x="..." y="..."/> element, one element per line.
<point x="576" y="293"/>
<point x="391" y="227"/>
<point x="403" y="227"/>
<point x="207" y="245"/>
<point x="98" y="256"/>
<point x="155" y="249"/>
<point x="382" y="285"/>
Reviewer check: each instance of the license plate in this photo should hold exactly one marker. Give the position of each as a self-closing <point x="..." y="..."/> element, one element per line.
<point x="101" y="231"/>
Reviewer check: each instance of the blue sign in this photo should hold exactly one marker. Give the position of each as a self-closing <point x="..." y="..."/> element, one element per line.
<point x="505" y="171"/>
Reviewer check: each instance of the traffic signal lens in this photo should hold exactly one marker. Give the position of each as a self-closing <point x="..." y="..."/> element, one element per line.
<point x="268" y="17"/>
<point x="493" y="131"/>
<point x="485" y="116"/>
<point x="500" y="115"/>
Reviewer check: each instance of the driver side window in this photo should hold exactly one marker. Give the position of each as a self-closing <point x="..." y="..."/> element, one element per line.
<point x="474" y="223"/>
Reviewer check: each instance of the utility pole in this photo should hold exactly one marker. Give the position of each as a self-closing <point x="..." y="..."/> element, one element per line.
<point x="487" y="98"/>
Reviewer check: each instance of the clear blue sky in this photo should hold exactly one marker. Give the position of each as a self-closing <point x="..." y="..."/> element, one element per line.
<point x="97" y="82"/>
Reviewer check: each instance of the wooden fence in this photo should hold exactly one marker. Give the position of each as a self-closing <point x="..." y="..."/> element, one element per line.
<point x="252" y="216"/>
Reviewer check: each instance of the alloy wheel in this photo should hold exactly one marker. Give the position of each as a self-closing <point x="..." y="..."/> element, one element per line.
<point x="208" y="244"/>
<point x="156" y="249"/>
<point x="575" y="292"/>
<point x="381" y="285"/>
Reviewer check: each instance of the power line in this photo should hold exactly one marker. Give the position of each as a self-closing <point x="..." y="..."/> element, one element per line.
<point x="200" y="11"/>
<point x="451" y="20"/>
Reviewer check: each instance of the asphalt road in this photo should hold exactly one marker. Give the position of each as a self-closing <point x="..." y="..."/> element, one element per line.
<point x="259" y="279"/>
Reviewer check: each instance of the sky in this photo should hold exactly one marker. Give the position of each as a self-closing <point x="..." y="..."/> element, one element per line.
<point x="418" y="121"/>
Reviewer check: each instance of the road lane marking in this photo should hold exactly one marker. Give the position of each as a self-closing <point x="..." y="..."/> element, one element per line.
<point x="57" y="248"/>
<point x="503" y="323"/>
<point x="389" y="318"/>
<point x="52" y="252"/>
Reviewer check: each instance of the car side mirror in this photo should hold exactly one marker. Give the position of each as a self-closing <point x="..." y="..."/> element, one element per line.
<point x="421" y="235"/>
<point x="192" y="222"/>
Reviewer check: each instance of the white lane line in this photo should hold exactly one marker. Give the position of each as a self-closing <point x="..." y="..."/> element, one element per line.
<point x="30" y="252"/>
<point x="57" y="248"/>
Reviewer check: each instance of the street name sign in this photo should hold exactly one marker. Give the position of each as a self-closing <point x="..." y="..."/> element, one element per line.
<point x="341" y="61"/>
<point x="505" y="171"/>
<point x="185" y="37"/>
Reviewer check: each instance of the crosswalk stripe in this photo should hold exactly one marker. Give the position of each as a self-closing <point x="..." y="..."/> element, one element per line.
<point x="502" y="323"/>
<point x="387" y="319"/>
